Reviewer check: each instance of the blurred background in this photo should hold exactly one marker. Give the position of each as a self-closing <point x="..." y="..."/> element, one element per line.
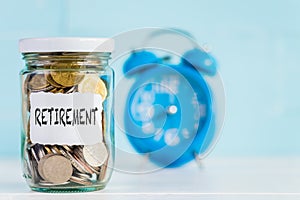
<point x="256" y="43"/>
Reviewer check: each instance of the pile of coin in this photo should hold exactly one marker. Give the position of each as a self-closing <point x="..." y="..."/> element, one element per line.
<point x="60" y="165"/>
<point x="54" y="165"/>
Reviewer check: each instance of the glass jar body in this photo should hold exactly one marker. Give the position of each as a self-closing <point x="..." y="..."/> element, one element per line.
<point x="67" y="136"/>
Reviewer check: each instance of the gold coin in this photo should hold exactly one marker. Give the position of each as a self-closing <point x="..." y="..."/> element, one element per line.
<point x="57" y="90"/>
<point x="65" y="75"/>
<point x="60" y="91"/>
<point x="48" y="150"/>
<point x="52" y="82"/>
<point x="37" y="82"/>
<point x="55" y="150"/>
<point x="54" y="90"/>
<point x="67" y="79"/>
<point x="66" y="147"/>
<point x="92" y="83"/>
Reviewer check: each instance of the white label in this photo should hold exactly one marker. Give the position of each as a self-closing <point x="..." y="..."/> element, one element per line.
<point x="65" y="119"/>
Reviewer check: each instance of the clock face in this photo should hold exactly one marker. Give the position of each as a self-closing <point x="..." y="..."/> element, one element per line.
<point x="168" y="114"/>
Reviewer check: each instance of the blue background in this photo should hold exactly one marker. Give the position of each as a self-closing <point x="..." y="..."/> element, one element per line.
<point x="257" y="44"/>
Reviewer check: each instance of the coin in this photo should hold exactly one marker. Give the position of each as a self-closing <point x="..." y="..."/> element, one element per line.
<point x="92" y="83"/>
<point x="66" y="76"/>
<point x="25" y="85"/>
<point x="103" y="171"/>
<point x="55" y="165"/>
<point x="55" y="150"/>
<point x="80" y="181"/>
<point x="52" y="82"/>
<point x="27" y="131"/>
<point x="27" y="171"/>
<point x="37" y="82"/>
<point x="55" y="168"/>
<point x="73" y="161"/>
<point x="85" y="167"/>
<point x="60" y="91"/>
<point x="70" y="90"/>
<point x="54" y="90"/>
<point x="103" y="124"/>
<point x="33" y="153"/>
<point x="33" y="168"/>
<point x="28" y="101"/>
<point x="68" y="148"/>
<point x="46" y="183"/>
<point x="57" y="90"/>
<point x="25" y="105"/>
<point x="89" y="169"/>
<point x="40" y="151"/>
<point x="48" y="150"/>
<point x="46" y="89"/>
<point x="67" y="79"/>
<point x="95" y="155"/>
<point x="78" y="152"/>
<point x="81" y="175"/>
<point x="40" y="166"/>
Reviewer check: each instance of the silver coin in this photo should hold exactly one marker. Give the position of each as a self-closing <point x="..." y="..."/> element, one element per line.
<point x="33" y="167"/>
<point x="79" y="156"/>
<point x="40" y="152"/>
<point x="86" y="168"/>
<point x="70" y="90"/>
<point x="46" y="89"/>
<point x="33" y="153"/>
<point x="55" y="168"/>
<point x="27" y="163"/>
<point x="95" y="155"/>
<point x="79" y="165"/>
<point x="26" y="166"/>
<point x="82" y="176"/>
<point x="34" y="174"/>
<point x="80" y="181"/>
<point x="40" y="166"/>
<point x="78" y="149"/>
<point x="103" y="170"/>
<point x="25" y="117"/>
<point x="72" y="159"/>
<point x="46" y="183"/>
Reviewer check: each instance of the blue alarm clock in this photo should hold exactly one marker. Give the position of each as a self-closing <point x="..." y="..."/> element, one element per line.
<point x="169" y="113"/>
<point x="173" y="111"/>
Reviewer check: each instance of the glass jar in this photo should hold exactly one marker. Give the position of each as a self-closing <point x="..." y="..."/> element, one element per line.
<point x="67" y="137"/>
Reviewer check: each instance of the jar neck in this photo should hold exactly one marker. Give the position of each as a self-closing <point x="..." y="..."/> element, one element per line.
<point x="63" y="60"/>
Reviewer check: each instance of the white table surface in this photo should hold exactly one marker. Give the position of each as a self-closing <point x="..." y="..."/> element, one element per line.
<point x="217" y="178"/>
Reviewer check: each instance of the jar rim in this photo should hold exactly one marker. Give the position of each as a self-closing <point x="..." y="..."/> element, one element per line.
<point x="66" y="44"/>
